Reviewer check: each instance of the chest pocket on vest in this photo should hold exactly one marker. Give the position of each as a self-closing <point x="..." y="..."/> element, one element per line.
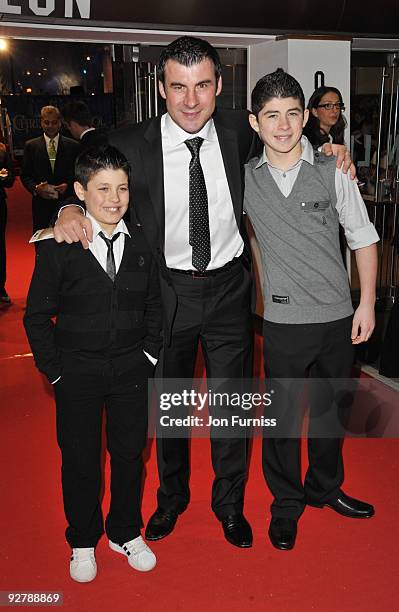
<point x="316" y="216"/>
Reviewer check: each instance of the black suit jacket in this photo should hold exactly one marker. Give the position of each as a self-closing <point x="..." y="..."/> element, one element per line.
<point x="68" y="282"/>
<point x="36" y="168"/>
<point x="142" y="145"/>
<point x="5" y="162"/>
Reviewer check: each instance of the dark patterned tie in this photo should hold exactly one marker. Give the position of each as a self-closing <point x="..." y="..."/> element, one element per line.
<point x="111" y="268"/>
<point x="199" y="239"/>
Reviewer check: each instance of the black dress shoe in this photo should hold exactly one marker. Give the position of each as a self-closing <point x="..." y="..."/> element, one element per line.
<point x="160" y="524"/>
<point x="237" y="530"/>
<point x="282" y="533"/>
<point x="348" y="506"/>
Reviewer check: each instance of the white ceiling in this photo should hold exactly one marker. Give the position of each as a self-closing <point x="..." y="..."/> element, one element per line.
<point x="375" y="44"/>
<point x="120" y="35"/>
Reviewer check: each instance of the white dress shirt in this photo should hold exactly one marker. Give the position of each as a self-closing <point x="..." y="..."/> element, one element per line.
<point x="90" y="129"/>
<point x="226" y="241"/>
<point x="352" y="212"/>
<point x="99" y="248"/>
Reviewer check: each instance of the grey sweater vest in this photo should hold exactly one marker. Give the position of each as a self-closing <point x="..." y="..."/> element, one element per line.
<point x="304" y="277"/>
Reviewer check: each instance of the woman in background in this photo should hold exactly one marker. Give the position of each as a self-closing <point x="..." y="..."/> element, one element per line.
<point x="326" y="122"/>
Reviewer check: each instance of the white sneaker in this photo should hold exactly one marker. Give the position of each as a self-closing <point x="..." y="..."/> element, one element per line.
<point x="83" y="566"/>
<point x="138" y="554"/>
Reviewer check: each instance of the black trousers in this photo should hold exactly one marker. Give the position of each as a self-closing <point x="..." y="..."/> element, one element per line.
<point x="389" y="361"/>
<point x="320" y="350"/>
<point x="3" y="223"/>
<point x="213" y="311"/>
<point x="86" y="387"/>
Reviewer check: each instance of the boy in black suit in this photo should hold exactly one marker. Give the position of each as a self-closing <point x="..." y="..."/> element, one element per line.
<point x="100" y="351"/>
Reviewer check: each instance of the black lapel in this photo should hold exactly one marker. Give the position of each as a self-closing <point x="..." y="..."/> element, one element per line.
<point x="153" y="165"/>
<point x="97" y="266"/>
<point x="128" y="251"/>
<point x="231" y="159"/>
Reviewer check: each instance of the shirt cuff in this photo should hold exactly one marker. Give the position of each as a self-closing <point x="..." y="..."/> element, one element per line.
<point x="56" y="380"/>
<point x="152" y="359"/>
<point x="68" y="206"/>
<point x="362" y="237"/>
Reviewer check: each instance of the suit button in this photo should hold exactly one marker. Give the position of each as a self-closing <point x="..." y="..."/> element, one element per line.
<point x="316" y="205"/>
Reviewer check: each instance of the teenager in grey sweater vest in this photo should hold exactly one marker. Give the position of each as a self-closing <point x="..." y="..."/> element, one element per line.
<point x="296" y="198"/>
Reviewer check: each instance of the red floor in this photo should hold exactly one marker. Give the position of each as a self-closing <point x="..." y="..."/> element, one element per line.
<point x="338" y="564"/>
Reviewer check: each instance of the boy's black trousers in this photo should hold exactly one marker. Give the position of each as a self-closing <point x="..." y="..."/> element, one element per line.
<point x="319" y="350"/>
<point x="86" y="387"/>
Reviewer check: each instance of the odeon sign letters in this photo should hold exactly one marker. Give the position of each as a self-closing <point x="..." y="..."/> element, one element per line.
<point x="44" y="8"/>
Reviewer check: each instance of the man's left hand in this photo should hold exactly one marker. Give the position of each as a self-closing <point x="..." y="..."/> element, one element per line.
<point x="343" y="156"/>
<point x="61" y="188"/>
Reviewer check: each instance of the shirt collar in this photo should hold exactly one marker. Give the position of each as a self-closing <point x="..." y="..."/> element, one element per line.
<point x="307" y="155"/>
<point x="176" y="135"/>
<point x="121" y="227"/>
<point x="47" y="139"/>
<point x="90" y="129"/>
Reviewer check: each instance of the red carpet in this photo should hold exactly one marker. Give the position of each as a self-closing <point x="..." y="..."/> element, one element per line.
<point x="338" y="564"/>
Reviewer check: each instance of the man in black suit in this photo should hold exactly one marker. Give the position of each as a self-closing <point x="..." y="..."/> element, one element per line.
<point x="208" y="301"/>
<point x="48" y="167"/>
<point x="77" y="118"/>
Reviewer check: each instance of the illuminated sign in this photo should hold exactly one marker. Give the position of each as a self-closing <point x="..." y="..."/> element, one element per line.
<point x="45" y="8"/>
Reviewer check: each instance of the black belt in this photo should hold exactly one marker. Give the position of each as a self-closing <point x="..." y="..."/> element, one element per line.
<point x="208" y="273"/>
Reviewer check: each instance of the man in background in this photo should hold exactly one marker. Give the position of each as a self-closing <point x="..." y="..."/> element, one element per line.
<point x="48" y="167"/>
<point x="77" y="118"/>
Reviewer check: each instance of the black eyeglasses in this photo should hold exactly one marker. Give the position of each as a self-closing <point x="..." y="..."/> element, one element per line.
<point x="331" y="105"/>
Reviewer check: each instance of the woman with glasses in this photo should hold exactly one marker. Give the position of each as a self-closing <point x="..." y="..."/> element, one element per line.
<point x="326" y="122"/>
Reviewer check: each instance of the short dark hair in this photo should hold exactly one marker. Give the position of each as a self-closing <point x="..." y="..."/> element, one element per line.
<point x="313" y="131"/>
<point x="277" y="84"/>
<point x="77" y="111"/>
<point x="93" y="160"/>
<point x="188" y="51"/>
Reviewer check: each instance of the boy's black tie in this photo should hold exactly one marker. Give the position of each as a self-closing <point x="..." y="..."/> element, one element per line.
<point x="199" y="238"/>
<point x="111" y="269"/>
